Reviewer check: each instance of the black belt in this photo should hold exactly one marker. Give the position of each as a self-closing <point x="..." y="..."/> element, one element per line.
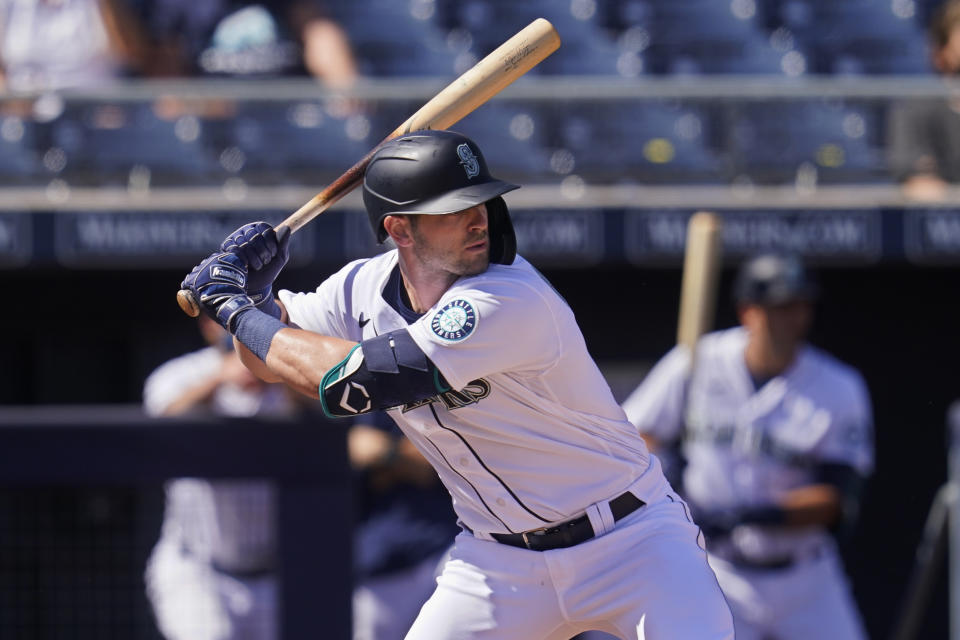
<point x="777" y="563"/>
<point x="568" y="533"/>
<point x="244" y="574"/>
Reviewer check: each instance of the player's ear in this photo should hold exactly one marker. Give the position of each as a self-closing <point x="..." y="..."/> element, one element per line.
<point x="398" y="228"/>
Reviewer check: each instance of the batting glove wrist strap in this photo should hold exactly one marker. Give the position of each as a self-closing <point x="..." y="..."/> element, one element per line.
<point x="266" y="303"/>
<point x="229" y="310"/>
<point x="255" y="330"/>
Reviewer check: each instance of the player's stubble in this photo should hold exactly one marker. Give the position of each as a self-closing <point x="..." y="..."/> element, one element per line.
<point x="452" y="258"/>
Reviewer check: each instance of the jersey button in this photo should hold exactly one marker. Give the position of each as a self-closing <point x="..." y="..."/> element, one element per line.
<point x="464" y="461"/>
<point x="501" y="502"/>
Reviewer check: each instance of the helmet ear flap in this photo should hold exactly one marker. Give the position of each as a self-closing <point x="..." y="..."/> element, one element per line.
<point x="503" y="239"/>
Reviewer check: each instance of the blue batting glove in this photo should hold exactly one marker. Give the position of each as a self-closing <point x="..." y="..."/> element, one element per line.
<point x="218" y="283"/>
<point x="264" y="253"/>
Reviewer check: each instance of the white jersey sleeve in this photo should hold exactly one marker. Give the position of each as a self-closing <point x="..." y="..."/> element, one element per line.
<point x="325" y="310"/>
<point x="489" y="325"/>
<point x="849" y="440"/>
<point x="173" y="378"/>
<point x="656" y="407"/>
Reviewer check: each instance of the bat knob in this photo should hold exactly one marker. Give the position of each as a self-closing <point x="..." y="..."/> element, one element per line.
<point x="188" y="303"/>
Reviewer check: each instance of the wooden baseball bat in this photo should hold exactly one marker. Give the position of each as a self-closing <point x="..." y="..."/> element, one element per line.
<point x="523" y="51"/>
<point x="701" y="268"/>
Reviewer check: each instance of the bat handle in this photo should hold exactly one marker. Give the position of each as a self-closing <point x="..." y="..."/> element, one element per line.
<point x="188" y="303"/>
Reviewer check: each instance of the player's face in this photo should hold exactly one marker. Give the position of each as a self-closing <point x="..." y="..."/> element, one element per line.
<point x="455" y="243"/>
<point x="784" y="325"/>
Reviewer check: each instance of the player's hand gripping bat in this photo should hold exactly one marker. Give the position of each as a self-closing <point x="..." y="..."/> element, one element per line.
<point x="698" y="290"/>
<point x="506" y="63"/>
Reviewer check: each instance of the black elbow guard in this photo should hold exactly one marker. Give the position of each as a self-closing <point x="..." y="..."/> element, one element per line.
<point x="383" y="372"/>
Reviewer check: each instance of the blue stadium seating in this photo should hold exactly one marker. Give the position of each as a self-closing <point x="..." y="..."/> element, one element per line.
<point x="586" y="49"/>
<point x="704" y="36"/>
<point x="640" y="141"/>
<point x="20" y="149"/>
<point x="858" y="36"/>
<point x="596" y="56"/>
<point x="296" y="142"/>
<point x="770" y="141"/>
<point x="103" y="142"/>
<point x="395" y="38"/>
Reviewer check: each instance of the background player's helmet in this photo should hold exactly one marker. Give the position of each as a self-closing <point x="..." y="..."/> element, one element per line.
<point x="773" y="278"/>
<point x="436" y="172"/>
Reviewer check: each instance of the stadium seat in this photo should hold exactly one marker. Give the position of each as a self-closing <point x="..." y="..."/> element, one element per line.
<point x="704" y="36"/>
<point x="19" y="150"/>
<point x="104" y="142"/>
<point x="649" y="141"/>
<point x="858" y="36"/>
<point x="771" y="141"/>
<point x="295" y="142"/>
<point x="751" y="54"/>
<point x="491" y="22"/>
<point x="403" y="40"/>
<point x="595" y="56"/>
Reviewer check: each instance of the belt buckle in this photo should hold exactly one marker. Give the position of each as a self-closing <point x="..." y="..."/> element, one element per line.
<point x="536" y="532"/>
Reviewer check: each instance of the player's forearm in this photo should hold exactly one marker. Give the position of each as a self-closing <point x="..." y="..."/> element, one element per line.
<point x="256" y="366"/>
<point x="300" y="358"/>
<point x="813" y="505"/>
<point x="192" y="398"/>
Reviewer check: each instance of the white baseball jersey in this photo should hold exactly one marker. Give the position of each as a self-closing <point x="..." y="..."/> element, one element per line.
<point x="746" y="446"/>
<point x="530" y="433"/>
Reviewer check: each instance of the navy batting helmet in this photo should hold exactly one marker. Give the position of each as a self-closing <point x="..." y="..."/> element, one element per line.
<point x="437" y="172"/>
<point x="773" y="278"/>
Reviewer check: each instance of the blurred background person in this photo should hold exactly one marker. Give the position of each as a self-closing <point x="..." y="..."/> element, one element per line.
<point x="241" y="38"/>
<point x="777" y="443"/>
<point x="924" y="135"/>
<point x="212" y="573"/>
<point x="59" y="44"/>
<point x="405" y="524"/>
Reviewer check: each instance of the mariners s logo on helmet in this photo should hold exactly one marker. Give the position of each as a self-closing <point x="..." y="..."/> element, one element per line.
<point x="469" y="161"/>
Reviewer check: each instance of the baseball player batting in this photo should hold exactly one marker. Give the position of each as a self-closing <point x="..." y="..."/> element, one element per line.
<point x="567" y="522"/>
<point x="777" y="440"/>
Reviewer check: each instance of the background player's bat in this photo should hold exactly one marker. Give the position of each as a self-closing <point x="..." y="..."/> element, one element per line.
<point x="701" y="267"/>
<point x="484" y="80"/>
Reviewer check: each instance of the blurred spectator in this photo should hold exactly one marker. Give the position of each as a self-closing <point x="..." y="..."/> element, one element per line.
<point x="777" y="440"/>
<point x="56" y="44"/>
<point x="211" y="574"/>
<point x="924" y="134"/>
<point x="405" y="525"/>
<point x="244" y="38"/>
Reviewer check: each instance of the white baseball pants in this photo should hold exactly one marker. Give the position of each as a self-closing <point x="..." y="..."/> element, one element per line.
<point x="809" y="600"/>
<point x="647" y="579"/>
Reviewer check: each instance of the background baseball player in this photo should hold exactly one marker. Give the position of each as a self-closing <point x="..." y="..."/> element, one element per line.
<point x="568" y="523"/>
<point x="777" y="440"/>
<point x="211" y="575"/>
